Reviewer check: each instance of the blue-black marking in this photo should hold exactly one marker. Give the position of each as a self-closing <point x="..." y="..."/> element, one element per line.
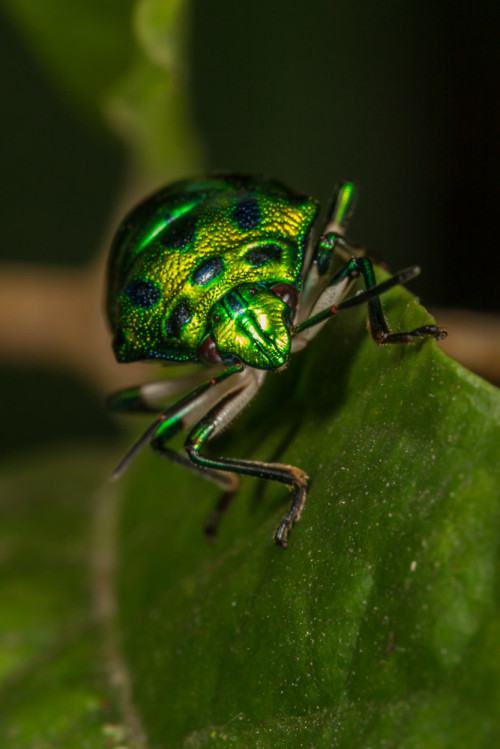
<point x="234" y="303"/>
<point x="247" y="214"/>
<point x="144" y="294"/>
<point x="179" y="234"/>
<point x="207" y="271"/>
<point x="259" y="256"/>
<point x="180" y="316"/>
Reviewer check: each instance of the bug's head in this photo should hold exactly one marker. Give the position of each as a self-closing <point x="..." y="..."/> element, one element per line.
<point x="252" y="323"/>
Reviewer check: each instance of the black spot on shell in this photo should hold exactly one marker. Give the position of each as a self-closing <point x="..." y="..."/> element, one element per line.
<point x="179" y="234"/>
<point x="179" y="317"/>
<point x="234" y="303"/>
<point x="247" y="214"/>
<point x="207" y="271"/>
<point x="258" y="256"/>
<point x="144" y="294"/>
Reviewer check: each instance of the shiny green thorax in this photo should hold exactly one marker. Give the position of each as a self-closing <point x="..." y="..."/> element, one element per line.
<point x="204" y="270"/>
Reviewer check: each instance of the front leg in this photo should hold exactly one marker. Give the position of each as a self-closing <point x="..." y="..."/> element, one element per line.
<point x="183" y="415"/>
<point x="171" y="421"/>
<point x="228" y="482"/>
<point x="143" y="399"/>
<point x="319" y="260"/>
<point x="329" y="303"/>
<point x="236" y="396"/>
<point x="220" y="415"/>
<point x="379" y="328"/>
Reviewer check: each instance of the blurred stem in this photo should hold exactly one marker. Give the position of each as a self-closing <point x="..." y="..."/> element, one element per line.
<point x="55" y="319"/>
<point x="473" y="340"/>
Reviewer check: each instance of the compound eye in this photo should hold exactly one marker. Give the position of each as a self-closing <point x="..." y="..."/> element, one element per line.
<point x="208" y="351"/>
<point x="287" y="293"/>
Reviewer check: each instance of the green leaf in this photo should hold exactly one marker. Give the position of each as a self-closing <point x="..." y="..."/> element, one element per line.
<point x="149" y="107"/>
<point x="378" y="626"/>
<point x="53" y="687"/>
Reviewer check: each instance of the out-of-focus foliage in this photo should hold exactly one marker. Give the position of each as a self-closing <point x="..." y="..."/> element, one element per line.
<point x="125" y="60"/>
<point x="53" y="684"/>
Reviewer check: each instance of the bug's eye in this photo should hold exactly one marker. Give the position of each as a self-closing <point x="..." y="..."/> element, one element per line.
<point x="208" y="351"/>
<point x="179" y="317"/>
<point x="287" y="293"/>
<point x="263" y="254"/>
<point x="144" y="294"/>
<point x="252" y="290"/>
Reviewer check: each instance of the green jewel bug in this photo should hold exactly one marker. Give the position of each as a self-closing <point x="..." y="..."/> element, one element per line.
<point x="224" y="271"/>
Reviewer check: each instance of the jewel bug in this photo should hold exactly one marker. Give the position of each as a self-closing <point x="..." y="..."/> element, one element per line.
<point x="225" y="271"/>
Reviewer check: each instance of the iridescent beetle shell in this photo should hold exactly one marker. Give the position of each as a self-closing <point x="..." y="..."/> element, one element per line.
<point x="210" y="269"/>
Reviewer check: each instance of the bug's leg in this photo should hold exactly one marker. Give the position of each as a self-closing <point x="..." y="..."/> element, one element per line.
<point x="325" y="306"/>
<point x="340" y="214"/>
<point x="228" y="482"/>
<point x="318" y="265"/>
<point x="180" y="415"/>
<point x="247" y="384"/>
<point x="144" y="398"/>
<point x="218" y="417"/>
<point x="379" y="328"/>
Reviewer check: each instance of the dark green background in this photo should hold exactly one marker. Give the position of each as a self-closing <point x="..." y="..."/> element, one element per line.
<point x="401" y="97"/>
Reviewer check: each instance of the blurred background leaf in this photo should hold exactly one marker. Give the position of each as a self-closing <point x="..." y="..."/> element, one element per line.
<point x="53" y="671"/>
<point x="84" y="46"/>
